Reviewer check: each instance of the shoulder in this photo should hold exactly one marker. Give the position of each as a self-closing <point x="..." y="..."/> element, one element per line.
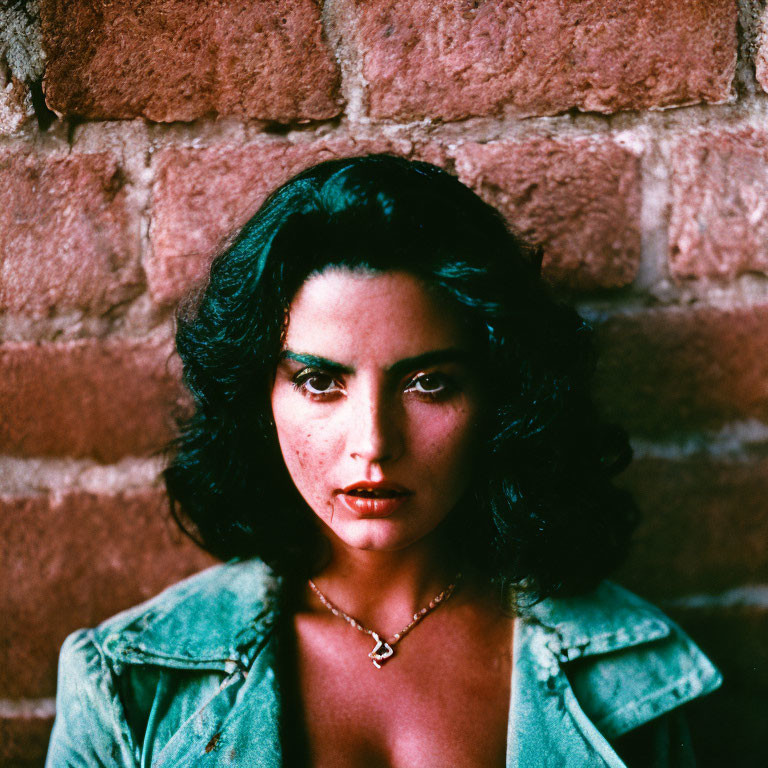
<point x="626" y="661"/>
<point x="215" y="622"/>
<point x="89" y="728"/>
<point x="219" y="614"/>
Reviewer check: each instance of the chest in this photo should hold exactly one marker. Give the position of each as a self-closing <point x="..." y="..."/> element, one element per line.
<point x="443" y="698"/>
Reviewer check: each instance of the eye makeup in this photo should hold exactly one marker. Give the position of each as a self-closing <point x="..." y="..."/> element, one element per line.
<point x="322" y="379"/>
<point x="315" y="383"/>
<point x="433" y="385"/>
<point x="318" y="384"/>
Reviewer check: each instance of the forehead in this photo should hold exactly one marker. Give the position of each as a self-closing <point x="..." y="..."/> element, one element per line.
<point x="349" y="315"/>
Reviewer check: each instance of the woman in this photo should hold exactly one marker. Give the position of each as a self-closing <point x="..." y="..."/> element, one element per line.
<point x="394" y="447"/>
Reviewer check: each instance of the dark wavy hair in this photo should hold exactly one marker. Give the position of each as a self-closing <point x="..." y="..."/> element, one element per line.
<point x="541" y="514"/>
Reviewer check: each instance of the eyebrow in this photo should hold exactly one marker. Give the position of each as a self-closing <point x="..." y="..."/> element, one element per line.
<point x="407" y="364"/>
<point x="313" y="361"/>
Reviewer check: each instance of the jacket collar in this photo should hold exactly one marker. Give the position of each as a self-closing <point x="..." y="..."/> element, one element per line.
<point x="223" y="616"/>
<point x="217" y="619"/>
<point x="607" y="619"/>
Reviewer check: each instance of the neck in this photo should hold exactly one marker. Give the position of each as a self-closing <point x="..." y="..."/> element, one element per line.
<point x="384" y="589"/>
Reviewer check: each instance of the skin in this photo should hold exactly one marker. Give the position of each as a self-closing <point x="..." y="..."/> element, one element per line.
<point x="382" y="419"/>
<point x="377" y="383"/>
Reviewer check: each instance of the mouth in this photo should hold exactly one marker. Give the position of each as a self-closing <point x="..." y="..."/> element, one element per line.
<point x="376" y="490"/>
<point x="370" y="493"/>
<point x="373" y="499"/>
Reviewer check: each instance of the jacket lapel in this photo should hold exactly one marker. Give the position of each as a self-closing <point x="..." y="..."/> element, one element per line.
<point x="239" y="725"/>
<point x="219" y="622"/>
<point x="547" y="725"/>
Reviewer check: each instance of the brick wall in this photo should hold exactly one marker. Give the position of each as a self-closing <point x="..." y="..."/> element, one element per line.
<point x="629" y="138"/>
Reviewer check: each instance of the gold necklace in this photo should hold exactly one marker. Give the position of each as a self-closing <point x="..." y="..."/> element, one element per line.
<point x="385" y="649"/>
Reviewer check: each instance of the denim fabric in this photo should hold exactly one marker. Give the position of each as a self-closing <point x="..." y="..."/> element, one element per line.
<point x="188" y="679"/>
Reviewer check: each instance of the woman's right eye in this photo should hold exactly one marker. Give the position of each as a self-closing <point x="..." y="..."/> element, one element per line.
<point x="313" y="383"/>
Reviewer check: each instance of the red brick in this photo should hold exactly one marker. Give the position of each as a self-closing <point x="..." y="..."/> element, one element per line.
<point x="458" y="59"/>
<point x="172" y="60"/>
<point x="719" y="226"/>
<point x="580" y="200"/>
<point x="201" y="196"/>
<point x="15" y="104"/>
<point x="663" y="371"/>
<point x="67" y="238"/>
<point x="704" y="527"/>
<point x="103" y="399"/>
<point x="761" y="55"/>
<point x="24" y="741"/>
<point x="70" y="561"/>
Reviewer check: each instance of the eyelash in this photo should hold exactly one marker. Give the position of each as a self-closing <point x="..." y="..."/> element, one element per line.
<point x="447" y="386"/>
<point x="302" y="377"/>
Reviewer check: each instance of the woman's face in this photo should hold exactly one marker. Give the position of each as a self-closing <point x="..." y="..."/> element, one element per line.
<point x="375" y="403"/>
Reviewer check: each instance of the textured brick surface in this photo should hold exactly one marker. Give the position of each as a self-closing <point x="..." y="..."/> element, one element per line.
<point x="201" y="196"/>
<point x="67" y="237"/>
<point x="24" y="741"/>
<point x="663" y="371"/>
<point x="103" y="399"/>
<point x="72" y="560"/>
<point x="457" y="59"/>
<point x="719" y="222"/>
<point x="580" y="200"/>
<point x="180" y="60"/>
<point x="704" y="528"/>
<point x="15" y="104"/>
<point x="761" y="55"/>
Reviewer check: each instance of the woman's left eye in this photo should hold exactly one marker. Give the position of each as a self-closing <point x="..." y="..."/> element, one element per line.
<point x="429" y="384"/>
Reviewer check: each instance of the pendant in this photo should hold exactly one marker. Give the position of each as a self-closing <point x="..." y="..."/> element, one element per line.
<point x="377" y="655"/>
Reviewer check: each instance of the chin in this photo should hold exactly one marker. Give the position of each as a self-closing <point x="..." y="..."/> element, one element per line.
<point x="379" y="536"/>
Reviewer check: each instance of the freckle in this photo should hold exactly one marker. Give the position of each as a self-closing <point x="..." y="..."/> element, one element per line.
<point x="211" y="745"/>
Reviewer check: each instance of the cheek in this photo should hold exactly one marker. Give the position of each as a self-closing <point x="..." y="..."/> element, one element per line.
<point x="307" y="448"/>
<point x="444" y="439"/>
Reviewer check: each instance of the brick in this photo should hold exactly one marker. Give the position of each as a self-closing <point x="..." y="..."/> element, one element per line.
<point x="169" y="60"/>
<point x="103" y="399"/>
<point x="21" y="63"/>
<point x="665" y="371"/>
<point x="201" y="196"/>
<point x="67" y="237"/>
<point x="15" y="104"/>
<point x="24" y="741"/>
<point x="459" y="59"/>
<point x="20" y="43"/>
<point x="718" y="226"/>
<point x="704" y="527"/>
<point x="579" y="200"/>
<point x="761" y="54"/>
<point x="71" y="560"/>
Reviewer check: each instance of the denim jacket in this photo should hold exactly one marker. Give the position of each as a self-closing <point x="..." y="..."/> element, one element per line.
<point x="188" y="679"/>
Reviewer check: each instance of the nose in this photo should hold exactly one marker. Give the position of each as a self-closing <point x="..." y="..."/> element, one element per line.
<point x="374" y="433"/>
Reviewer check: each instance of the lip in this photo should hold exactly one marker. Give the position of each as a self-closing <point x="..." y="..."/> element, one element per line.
<point x="382" y="486"/>
<point x="378" y="507"/>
